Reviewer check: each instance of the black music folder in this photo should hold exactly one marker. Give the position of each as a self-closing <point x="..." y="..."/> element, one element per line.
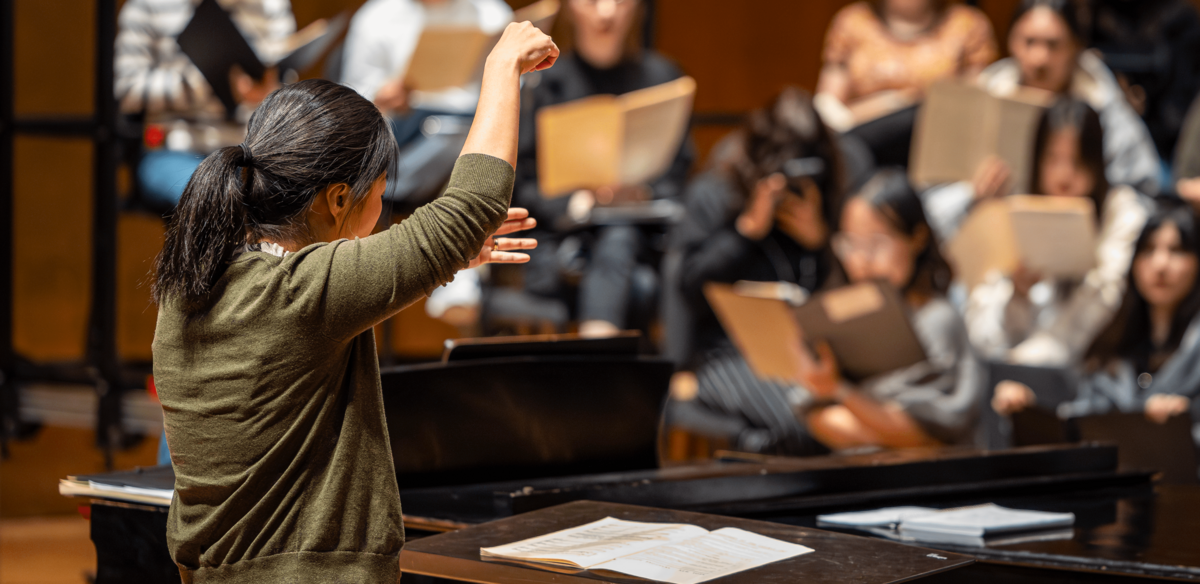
<point x="214" y="44"/>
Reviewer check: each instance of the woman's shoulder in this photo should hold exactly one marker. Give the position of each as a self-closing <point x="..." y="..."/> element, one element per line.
<point x="1126" y="202"/>
<point x="969" y="17"/>
<point x="856" y="14"/>
<point x="938" y="309"/>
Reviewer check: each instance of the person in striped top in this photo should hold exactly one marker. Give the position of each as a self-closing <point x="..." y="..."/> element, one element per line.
<point x="156" y="79"/>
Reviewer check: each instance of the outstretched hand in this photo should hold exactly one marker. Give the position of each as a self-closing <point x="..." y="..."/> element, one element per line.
<point x="499" y="250"/>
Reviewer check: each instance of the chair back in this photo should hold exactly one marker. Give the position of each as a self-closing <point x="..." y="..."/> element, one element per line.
<point x="1143" y="444"/>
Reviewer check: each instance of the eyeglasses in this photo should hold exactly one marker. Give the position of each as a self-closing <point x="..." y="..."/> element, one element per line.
<point x="873" y="247"/>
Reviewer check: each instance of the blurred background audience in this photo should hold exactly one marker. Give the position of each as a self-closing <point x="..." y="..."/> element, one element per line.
<point x="805" y="188"/>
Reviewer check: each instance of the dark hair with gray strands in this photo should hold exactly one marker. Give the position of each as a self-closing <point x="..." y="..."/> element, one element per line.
<point x="301" y="139"/>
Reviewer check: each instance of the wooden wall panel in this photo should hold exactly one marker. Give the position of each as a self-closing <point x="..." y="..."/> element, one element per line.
<point x="52" y="246"/>
<point x="741" y="54"/>
<point x="53" y="42"/>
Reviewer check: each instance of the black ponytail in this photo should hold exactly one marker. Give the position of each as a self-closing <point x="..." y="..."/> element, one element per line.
<point x="301" y="139"/>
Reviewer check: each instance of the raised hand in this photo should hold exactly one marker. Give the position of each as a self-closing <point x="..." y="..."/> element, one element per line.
<point x="499" y="250"/>
<point x="1161" y="407"/>
<point x="758" y="216"/>
<point x="1011" y="397"/>
<point x="521" y="49"/>
<point x="525" y="46"/>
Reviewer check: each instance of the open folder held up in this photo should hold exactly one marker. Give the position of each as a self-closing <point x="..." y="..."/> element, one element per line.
<point x="1051" y="236"/>
<point x="608" y="140"/>
<point x="454" y="56"/>
<point x="960" y="125"/>
<point x="866" y="326"/>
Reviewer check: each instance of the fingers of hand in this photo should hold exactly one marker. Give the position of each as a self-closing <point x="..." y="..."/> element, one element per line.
<point x="518" y="225"/>
<point x="827" y="358"/>
<point x="507" y="244"/>
<point x="503" y="257"/>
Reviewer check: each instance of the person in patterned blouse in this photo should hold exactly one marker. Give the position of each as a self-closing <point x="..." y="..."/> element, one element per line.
<point x="881" y="55"/>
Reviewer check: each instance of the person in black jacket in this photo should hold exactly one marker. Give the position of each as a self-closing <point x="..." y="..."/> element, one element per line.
<point x="762" y="213"/>
<point x="602" y="55"/>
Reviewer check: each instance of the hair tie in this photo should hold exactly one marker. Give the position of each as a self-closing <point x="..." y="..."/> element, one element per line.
<point x="247" y="158"/>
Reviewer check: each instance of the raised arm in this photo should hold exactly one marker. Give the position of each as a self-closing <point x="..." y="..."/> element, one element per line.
<point x="521" y="49"/>
<point x="370" y="279"/>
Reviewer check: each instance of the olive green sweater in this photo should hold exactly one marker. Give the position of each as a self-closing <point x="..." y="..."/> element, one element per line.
<point x="272" y="401"/>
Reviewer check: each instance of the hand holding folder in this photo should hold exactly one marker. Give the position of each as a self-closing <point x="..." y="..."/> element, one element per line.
<point x="1050" y="236"/>
<point x="960" y="126"/>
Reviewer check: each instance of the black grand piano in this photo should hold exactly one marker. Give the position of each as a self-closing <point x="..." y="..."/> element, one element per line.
<point x="493" y="435"/>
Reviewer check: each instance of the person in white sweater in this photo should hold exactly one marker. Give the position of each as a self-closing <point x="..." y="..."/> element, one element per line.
<point x="1047" y="43"/>
<point x="383" y="36"/>
<point x="1027" y="319"/>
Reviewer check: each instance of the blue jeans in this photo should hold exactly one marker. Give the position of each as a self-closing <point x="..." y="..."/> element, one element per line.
<point x="163" y="174"/>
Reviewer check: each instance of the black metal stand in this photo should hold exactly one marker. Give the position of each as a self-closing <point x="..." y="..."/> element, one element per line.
<point x="102" y="326"/>
<point x="9" y="413"/>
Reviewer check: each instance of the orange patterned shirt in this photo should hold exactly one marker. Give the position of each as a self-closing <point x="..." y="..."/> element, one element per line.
<point x="859" y="41"/>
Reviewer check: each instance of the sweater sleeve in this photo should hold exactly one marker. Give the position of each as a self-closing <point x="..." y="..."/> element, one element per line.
<point x="349" y="286"/>
<point x="944" y="393"/>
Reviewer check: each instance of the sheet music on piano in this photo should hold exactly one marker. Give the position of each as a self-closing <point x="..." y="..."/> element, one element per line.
<point x="668" y="552"/>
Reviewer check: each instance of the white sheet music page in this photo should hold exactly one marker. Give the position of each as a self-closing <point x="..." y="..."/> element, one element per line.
<point x="595" y="543"/>
<point x="720" y="553"/>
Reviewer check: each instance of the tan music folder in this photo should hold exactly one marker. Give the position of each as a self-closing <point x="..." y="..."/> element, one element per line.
<point x="448" y="57"/>
<point x="960" y="125"/>
<point x="606" y="140"/>
<point x="1055" y="236"/>
<point x="1052" y="236"/>
<point x="866" y="326"/>
<point x="763" y="329"/>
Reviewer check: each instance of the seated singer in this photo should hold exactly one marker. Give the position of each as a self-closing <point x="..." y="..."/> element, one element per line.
<point x="380" y="43"/>
<point x="268" y="287"/>
<point x="884" y="236"/>
<point x="1148" y="357"/>
<point x="763" y="214"/>
<point x="881" y="55"/>
<point x="602" y="55"/>
<point x="1029" y="319"/>
<point x="156" y="79"/>
<point x="1047" y="41"/>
